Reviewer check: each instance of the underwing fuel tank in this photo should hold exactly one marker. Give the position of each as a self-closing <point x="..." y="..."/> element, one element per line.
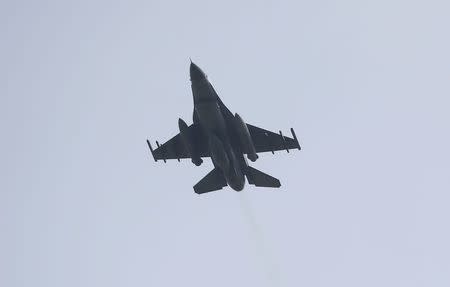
<point x="218" y="153"/>
<point x="186" y="138"/>
<point x="245" y="139"/>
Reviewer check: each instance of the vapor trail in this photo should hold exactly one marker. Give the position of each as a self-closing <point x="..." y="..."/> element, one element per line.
<point x="261" y="250"/>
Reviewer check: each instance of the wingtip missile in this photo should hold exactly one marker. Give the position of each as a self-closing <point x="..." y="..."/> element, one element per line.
<point x="295" y="138"/>
<point x="151" y="150"/>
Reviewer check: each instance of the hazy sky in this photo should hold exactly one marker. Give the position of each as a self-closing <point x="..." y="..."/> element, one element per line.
<point x="366" y="85"/>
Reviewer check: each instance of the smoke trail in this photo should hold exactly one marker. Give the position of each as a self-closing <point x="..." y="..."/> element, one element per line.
<point x="262" y="252"/>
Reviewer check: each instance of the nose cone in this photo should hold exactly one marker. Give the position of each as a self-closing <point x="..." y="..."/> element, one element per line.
<point x="196" y="73"/>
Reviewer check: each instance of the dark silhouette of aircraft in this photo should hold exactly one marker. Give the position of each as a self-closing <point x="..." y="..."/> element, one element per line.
<point x="225" y="138"/>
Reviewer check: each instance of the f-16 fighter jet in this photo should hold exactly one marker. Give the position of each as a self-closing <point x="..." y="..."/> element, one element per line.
<point x="225" y="138"/>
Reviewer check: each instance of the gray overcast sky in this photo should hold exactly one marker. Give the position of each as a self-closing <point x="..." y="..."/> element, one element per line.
<point x="364" y="83"/>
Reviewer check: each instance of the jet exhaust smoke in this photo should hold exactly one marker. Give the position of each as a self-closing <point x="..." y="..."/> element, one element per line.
<point x="261" y="250"/>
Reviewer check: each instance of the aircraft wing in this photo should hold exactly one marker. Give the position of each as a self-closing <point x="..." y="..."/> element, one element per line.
<point x="175" y="148"/>
<point x="265" y="140"/>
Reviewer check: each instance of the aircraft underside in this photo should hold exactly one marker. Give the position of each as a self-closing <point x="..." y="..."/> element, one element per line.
<point x="225" y="138"/>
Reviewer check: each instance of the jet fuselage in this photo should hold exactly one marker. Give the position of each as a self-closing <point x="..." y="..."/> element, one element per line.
<point x="225" y="155"/>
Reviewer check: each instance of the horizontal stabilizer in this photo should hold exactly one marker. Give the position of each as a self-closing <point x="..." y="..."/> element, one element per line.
<point x="214" y="180"/>
<point x="259" y="178"/>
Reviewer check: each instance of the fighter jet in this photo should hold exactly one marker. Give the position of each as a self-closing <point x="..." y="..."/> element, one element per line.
<point x="225" y="138"/>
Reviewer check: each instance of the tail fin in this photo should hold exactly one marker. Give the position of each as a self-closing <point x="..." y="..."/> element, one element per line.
<point x="259" y="178"/>
<point x="214" y="180"/>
